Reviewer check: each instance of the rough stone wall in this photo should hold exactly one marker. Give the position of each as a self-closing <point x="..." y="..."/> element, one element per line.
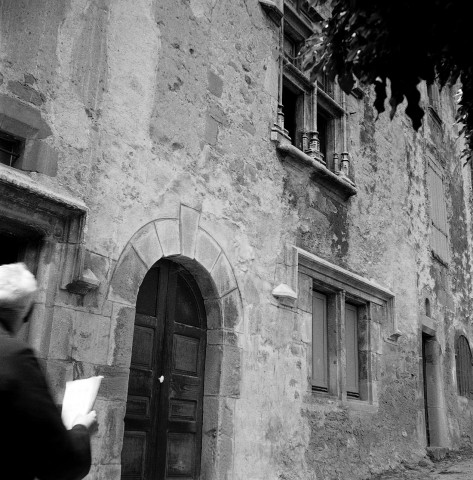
<point x="154" y="104"/>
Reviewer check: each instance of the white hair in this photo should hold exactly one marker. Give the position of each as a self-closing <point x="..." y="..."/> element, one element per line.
<point x="17" y="286"/>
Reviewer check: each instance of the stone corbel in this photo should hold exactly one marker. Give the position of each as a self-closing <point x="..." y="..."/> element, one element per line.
<point x="285" y="294"/>
<point x="82" y="281"/>
<point x="395" y="333"/>
<point x="286" y="291"/>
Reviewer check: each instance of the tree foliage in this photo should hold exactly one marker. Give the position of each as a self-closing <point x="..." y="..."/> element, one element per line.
<point x="397" y="43"/>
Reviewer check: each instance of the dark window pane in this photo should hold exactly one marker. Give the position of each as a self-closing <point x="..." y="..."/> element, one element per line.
<point x="10" y="149"/>
<point x="147" y="296"/>
<point x="322" y="128"/>
<point x="186" y="308"/>
<point x="289" y="100"/>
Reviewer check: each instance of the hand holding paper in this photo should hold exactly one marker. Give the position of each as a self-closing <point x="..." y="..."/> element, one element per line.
<point x="79" y="399"/>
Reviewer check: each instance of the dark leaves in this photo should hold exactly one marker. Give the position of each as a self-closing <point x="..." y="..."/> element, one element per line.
<point x="402" y="41"/>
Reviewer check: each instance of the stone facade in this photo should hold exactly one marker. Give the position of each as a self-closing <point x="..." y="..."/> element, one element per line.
<point x="149" y="133"/>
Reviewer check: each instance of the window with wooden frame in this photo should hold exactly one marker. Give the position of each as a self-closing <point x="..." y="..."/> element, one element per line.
<point x="351" y="323"/>
<point x="438" y="212"/>
<point x="463" y="361"/>
<point x="347" y="313"/>
<point x="319" y="342"/>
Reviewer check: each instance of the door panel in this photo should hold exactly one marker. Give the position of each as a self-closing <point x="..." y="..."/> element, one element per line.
<point x="163" y="422"/>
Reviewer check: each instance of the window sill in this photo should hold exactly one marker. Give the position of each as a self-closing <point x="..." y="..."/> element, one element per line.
<point x="362" y="406"/>
<point x="352" y="404"/>
<point x="340" y="184"/>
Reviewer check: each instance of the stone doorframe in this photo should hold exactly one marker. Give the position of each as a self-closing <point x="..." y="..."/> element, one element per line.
<point x="184" y="241"/>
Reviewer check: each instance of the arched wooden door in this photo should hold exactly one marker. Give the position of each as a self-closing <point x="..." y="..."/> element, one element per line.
<point x="163" y="421"/>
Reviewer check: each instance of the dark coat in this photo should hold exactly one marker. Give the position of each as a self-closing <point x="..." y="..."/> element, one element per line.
<point x="33" y="440"/>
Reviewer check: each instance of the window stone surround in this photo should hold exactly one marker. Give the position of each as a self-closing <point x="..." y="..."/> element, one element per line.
<point x="377" y="308"/>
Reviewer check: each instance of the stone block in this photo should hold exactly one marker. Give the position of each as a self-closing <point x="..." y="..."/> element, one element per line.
<point x="106" y="443"/>
<point x="40" y="157"/>
<point x="147" y="246"/>
<point x="215" y="83"/>
<point x="231" y="372"/>
<point x="107" y="472"/>
<point x="304" y="293"/>
<point x="213" y="309"/>
<point x="101" y="267"/>
<point x="91" y="335"/>
<point x="39" y="329"/>
<point x="114" y="385"/>
<point x="121" y="335"/>
<point x="58" y="372"/>
<point x="127" y="278"/>
<point x="22" y="120"/>
<point x="189" y="220"/>
<point x="213" y="369"/>
<point x="225" y="457"/>
<point x="26" y="93"/>
<point x="222" y="337"/>
<point x="376" y="340"/>
<point x="217" y="113"/>
<point x="60" y="346"/>
<point x="207" y="250"/>
<point x="305" y="326"/>
<point x="169" y="236"/>
<point x="223" y="276"/>
<point x="232" y="312"/>
<point x="211" y="130"/>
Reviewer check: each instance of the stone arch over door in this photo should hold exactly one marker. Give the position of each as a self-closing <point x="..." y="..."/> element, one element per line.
<point x="184" y="241"/>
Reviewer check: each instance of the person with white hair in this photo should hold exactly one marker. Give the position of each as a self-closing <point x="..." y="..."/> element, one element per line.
<point x="33" y="440"/>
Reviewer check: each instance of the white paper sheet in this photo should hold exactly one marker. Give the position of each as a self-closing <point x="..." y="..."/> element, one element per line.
<point x="79" y="398"/>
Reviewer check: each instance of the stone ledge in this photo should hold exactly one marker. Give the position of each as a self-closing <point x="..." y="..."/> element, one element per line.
<point x="341" y="185"/>
<point x="20" y="196"/>
<point x="273" y="10"/>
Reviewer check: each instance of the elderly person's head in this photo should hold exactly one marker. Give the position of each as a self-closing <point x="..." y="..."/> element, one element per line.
<point x="17" y="289"/>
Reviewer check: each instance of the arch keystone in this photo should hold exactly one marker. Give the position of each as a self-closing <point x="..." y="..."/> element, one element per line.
<point x="189" y="223"/>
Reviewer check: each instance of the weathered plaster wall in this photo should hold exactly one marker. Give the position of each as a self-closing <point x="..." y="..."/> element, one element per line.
<point x="157" y="104"/>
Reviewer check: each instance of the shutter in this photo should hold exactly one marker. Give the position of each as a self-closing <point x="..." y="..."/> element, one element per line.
<point x="351" y="344"/>
<point x="319" y="342"/>
<point x="438" y="214"/>
<point x="464" y="367"/>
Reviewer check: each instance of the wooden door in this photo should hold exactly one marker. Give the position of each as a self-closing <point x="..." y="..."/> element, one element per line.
<point x="163" y="422"/>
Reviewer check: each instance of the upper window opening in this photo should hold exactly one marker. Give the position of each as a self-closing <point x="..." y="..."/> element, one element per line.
<point x="325" y="84"/>
<point x="292" y="107"/>
<point x="10" y="149"/>
<point x="323" y="129"/>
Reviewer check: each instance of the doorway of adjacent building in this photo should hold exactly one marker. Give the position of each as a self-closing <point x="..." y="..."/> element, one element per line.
<point x="163" y="421"/>
<point x="425" y="340"/>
